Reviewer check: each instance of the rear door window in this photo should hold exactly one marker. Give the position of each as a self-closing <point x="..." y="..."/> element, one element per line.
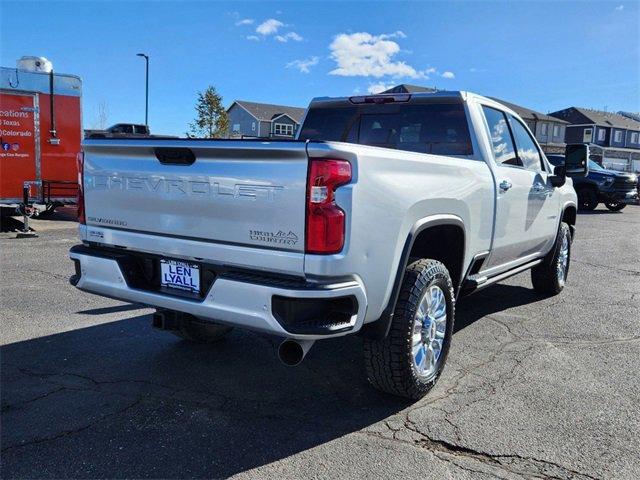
<point x="503" y="148"/>
<point x="435" y="128"/>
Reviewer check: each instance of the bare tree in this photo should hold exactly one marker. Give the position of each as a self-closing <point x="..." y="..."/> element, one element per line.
<point x="102" y="114"/>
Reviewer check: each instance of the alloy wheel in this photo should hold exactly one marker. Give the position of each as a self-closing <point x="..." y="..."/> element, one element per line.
<point x="563" y="260"/>
<point x="429" y="328"/>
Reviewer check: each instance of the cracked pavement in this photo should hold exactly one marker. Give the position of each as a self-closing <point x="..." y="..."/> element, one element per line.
<point x="534" y="387"/>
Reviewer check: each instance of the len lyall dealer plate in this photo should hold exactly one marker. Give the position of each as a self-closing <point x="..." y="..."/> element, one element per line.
<point x="180" y="275"/>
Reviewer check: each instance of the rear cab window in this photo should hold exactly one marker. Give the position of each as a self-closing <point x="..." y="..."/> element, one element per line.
<point x="435" y="128"/>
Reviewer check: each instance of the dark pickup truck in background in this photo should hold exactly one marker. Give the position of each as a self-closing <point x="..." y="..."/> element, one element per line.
<point x="615" y="189"/>
<point x="120" y="130"/>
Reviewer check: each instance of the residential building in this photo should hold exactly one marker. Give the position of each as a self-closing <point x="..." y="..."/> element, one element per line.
<point x="548" y="130"/>
<point x="406" y="88"/>
<point x="614" y="138"/>
<point x="263" y="120"/>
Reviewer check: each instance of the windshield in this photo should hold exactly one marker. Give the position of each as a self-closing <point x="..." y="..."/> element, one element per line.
<point x="594" y="166"/>
<point x="559" y="160"/>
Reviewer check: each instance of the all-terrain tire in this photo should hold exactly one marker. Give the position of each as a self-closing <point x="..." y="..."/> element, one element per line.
<point x="587" y="199"/>
<point x="615" y="207"/>
<point x="389" y="361"/>
<point x="545" y="276"/>
<point x="199" y="331"/>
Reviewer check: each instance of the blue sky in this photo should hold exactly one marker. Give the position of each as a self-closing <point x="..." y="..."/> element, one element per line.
<point x="544" y="55"/>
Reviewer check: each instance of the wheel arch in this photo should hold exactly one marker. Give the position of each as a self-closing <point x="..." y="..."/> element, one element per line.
<point x="569" y="216"/>
<point x="449" y="249"/>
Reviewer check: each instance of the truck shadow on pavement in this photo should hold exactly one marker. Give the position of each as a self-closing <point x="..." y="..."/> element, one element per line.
<point x="122" y="400"/>
<point x="494" y="299"/>
<point x="10" y="224"/>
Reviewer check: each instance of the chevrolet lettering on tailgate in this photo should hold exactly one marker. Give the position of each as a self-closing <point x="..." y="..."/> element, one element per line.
<point x="185" y="187"/>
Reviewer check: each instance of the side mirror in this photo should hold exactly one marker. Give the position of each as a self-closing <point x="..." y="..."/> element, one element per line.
<point x="559" y="177"/>
<point x="576" y="160"/>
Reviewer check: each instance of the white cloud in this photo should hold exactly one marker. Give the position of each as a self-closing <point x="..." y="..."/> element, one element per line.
<point x="304" y="65"/>
<point x="378" y="87"/>
<point x="363" y="54"/>
<point x="396" y="34"/>
<point x="269" y="27"/>
<point x="253" y="38"/>
<point x="448" y="74"/>
<point x="289" y="36"/>
<point x="245" y="21"/>
<point x="619" y="8"/>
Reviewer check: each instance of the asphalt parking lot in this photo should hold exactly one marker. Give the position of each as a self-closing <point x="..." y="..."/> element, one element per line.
<point x="534" y="388"/>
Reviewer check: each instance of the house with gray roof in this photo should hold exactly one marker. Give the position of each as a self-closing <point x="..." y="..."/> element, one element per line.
<point x="406" y="88"/>
<point x="263" y="120"/>
<point x="614" y="138"/>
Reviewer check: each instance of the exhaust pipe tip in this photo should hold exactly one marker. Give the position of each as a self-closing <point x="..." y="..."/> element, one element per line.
<point x="292" y="352"/>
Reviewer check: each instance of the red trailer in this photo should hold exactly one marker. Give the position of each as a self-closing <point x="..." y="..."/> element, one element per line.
<point x="40" y="135"/>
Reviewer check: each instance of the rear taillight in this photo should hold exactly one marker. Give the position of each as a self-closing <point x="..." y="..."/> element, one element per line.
<point x="80" y="161"/>
<point x="325" y="220"/>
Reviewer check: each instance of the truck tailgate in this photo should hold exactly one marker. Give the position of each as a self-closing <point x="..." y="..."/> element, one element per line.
<point x="235" y="192"/>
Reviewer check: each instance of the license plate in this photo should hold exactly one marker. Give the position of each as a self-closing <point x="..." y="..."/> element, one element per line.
<point x="180" y="275"/>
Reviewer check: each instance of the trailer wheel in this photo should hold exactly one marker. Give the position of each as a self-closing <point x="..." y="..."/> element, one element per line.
<point x="49" y="210"/>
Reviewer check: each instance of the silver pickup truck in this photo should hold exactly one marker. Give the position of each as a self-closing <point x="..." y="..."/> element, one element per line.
<point x="382" y="213"/>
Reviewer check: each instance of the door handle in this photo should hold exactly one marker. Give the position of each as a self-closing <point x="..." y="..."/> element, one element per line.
<point x="541" y="188"/>
<point x="505" y="185"/>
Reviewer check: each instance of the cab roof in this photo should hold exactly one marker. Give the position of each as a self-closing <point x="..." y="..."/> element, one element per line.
<point x="413" y="97"/>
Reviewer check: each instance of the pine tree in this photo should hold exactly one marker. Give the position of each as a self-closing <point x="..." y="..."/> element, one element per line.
<point x="211" y="117"/>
